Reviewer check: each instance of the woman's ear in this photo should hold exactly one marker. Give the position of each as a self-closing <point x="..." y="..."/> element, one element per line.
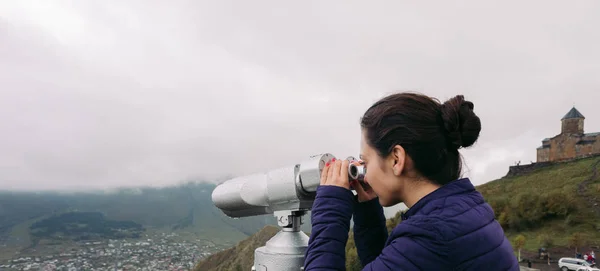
<point x="398" y="157"/>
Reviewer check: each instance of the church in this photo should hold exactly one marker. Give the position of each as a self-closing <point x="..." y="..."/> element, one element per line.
<point x="571" y="143"/>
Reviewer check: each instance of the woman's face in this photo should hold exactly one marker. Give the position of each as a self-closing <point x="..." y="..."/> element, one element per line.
<point x="380" y="175"/>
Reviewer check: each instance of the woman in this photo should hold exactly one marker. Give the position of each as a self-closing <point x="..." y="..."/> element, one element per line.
<point x="409" y="148"/>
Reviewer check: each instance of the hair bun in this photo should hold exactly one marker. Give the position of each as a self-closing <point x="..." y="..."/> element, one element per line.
<point x="461" y="124"/>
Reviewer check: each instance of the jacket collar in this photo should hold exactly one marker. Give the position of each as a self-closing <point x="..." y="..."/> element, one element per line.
<point x="459" y="186"/>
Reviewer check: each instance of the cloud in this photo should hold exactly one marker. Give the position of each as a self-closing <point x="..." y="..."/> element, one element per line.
<point x="108" y="93"/>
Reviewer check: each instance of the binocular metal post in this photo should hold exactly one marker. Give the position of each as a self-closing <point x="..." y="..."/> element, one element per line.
<point x="284" y="251"/>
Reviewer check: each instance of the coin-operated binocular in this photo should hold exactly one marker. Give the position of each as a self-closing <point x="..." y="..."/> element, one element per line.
<point x="288" y="193"/>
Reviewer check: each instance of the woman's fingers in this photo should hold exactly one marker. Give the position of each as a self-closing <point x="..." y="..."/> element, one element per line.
<point x="359" y="189"/>
<point x="336" y="170"/>
<point x="367" y="188"/>
<point x="324" y="174"/>
<point x="344" y="172"/>
<point x="330" y="173"/>
<point x="336" y="173"/>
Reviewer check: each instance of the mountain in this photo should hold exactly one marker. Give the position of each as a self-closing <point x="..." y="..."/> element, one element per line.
<point x="556" y="206"/>
<point x="185" y="209"/>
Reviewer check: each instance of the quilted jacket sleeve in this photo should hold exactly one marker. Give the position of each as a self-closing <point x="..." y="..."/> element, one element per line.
<point x="370" y="232"/>
<point x="330" y="217"/>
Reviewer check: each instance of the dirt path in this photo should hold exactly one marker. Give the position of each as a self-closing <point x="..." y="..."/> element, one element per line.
<point x="593" y="200"/>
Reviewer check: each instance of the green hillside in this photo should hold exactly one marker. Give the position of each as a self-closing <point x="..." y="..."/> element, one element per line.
<point x="556" y="206"/>
<point x="550" y="204"/>
<point x="241" y="256"/>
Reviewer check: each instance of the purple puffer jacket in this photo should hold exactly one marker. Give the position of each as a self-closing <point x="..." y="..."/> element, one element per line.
<point x="452" y="228"/>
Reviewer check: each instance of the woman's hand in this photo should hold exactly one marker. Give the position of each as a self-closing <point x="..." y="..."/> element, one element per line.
<point x="364" y="194"/>
<point x="336" y="173"/>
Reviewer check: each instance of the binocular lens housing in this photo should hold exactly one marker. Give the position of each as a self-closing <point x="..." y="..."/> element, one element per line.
<point x="291" y="187"/>
<point x="356" y="172"/>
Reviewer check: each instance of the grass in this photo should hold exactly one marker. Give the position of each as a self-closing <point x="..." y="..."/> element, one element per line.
<point x="559" y="179"/>
<point x="241" y="256"/>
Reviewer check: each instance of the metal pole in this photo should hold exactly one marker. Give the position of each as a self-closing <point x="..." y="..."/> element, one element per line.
<point x="284" y="251"/>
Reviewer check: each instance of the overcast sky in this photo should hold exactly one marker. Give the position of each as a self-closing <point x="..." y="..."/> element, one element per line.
<point x="97" y="94"/>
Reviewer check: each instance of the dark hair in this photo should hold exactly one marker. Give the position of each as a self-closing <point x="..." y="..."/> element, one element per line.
<point x="430" y="132"/>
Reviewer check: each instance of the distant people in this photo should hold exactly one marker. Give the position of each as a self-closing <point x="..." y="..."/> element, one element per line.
<point x="544" y="254"/>
<point x="589" y="258"/>
<point x="410" y="147"/>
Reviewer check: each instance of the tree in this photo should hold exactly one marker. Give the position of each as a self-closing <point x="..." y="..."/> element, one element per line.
<point x="393" y="222"/>
<point x="576" y="240"/>
<point x="519" y="242"/>
<point x="503" y="219"/>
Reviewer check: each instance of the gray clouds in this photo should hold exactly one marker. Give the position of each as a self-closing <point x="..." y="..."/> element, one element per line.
<point x="101" y="94"/>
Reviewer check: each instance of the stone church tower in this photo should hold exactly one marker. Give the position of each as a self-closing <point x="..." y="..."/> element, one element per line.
<point x="571" y="143"/>
<point x="572" y="123"/>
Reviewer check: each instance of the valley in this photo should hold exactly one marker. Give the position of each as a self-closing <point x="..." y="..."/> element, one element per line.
<point x="168" y="228"/>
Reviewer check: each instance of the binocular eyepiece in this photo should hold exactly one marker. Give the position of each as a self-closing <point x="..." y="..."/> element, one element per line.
<point x="356" y="172"/>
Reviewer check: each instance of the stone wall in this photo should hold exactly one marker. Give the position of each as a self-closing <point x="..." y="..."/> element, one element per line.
<point x="563" y="147"/>
<point x="572" y="126"/>
<point x="543" y="154"/>
<point x="587" y="148"/>
<point x="524" y="169"/>
<point x="568" y="146"/>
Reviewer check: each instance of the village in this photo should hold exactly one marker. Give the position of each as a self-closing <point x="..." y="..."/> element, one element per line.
<point x="162" y="252"/>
